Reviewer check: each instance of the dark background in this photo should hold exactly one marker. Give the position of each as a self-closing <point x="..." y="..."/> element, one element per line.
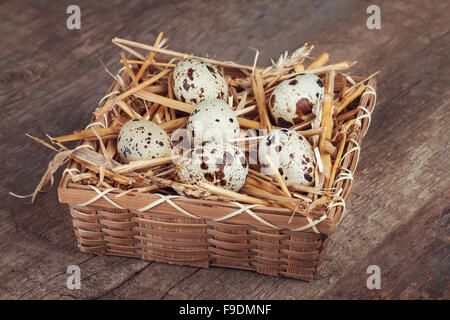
<point x="397" y="218"/>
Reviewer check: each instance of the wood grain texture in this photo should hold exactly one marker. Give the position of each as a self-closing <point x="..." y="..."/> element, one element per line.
<point x="398" y="212"/>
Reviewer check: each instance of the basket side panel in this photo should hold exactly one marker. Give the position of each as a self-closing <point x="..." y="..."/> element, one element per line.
<point x="118" y="228"/>
<point x="87" y="228"/>
<point x="267" y="249"/>
<point x="230" y="245"/>
<point x="172" y="239"/>
<point x="178" y="240"/>
<point x="301" y="254"/>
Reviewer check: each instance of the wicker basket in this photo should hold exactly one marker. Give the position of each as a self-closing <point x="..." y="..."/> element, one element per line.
<point x="258" y="239"/>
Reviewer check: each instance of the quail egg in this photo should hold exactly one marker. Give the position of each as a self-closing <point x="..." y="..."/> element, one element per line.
<point x="291" y="153"/>
<point x="212" y="120"/>
<point x="296" y="97"/>
<point x="218" y="163"/>
<point x="140" y="139"/>
<point x="195" y="80"/>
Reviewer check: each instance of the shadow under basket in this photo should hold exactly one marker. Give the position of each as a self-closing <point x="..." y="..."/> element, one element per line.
<point x="259" y="239"/>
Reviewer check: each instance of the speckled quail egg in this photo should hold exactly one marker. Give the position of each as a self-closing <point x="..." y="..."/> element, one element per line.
<point x="296" y="97"/>
<point x="195" y="80"/>
<point x="140" y="139"/>
<point x="291" y="153"/>
<point x="217" y="163"/>
<point x="212" y="120"/>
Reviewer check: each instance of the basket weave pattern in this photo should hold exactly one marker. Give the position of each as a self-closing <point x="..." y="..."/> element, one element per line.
<point x="197" y="242"/>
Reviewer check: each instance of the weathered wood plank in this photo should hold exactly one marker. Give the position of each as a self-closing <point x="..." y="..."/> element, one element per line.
<point x="51" y="81"/>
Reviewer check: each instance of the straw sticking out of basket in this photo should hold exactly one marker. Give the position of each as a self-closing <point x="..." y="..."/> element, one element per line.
<point x="146" y="91"/>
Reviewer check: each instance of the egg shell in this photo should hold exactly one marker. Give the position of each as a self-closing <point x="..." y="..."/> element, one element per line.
<point x="217" y="163"/>
<point x="195" y="81"/>
<point x="212" y="120"/>
<point x="140" y="139"/>
<point x="296" y="97"/>
<point x="291" y="153"/>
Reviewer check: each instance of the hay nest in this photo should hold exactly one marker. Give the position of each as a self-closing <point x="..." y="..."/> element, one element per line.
<point x="143" y="89"/>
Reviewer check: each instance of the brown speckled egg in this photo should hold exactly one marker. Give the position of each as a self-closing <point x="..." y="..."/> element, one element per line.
<point x="296" y="97"/>
<point x="291" y="153"/>
<point x="140" y="139"/>
<point x="213" y="120"/>
<point x="195" y="81"/>
<point x="217" y="163"/>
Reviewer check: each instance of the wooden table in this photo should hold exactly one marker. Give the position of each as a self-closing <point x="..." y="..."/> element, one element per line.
<point x="398" y="213"/>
